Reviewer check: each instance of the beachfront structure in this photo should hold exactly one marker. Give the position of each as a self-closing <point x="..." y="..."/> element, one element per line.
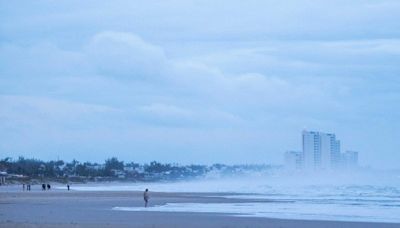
<point x="320" y="150"/>
<point x="3" y="178"/>
<point x="293" y="160"/>
<point x="349" y="159"/>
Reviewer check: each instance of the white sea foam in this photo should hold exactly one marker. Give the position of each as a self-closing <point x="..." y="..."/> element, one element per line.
<point x="281" y="210"/>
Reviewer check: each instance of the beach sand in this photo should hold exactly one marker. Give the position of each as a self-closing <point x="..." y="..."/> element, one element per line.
<point x="61" y="208"/>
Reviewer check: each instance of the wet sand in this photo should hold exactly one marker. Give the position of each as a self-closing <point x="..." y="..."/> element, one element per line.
<point x="61" y="208"/>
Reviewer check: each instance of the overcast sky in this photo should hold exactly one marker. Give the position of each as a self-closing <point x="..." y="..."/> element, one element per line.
<point x="198" y="81"/>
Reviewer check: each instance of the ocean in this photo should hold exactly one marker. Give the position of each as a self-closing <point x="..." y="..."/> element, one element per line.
<point x="370" y="198"/>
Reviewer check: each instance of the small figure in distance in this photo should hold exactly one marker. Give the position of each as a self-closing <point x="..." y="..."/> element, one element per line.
<point x="43" y="187"/>
<point x="48" y="186"/>
<point x="28" y="187"/>
<point x="146" y="197"/>
<point x="68" y="187"/>
<point x="23" y="187"/>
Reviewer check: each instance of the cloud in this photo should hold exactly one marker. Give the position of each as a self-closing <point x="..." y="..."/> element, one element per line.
<point x="42" y="60"/>
<point x="225" y="20"/>
<point x="165" y="110"/>
<point x="137" y="75"/>
<point x="35" y="111"/>
<point x="125" y="55"/>
<point x="293" y="59"/>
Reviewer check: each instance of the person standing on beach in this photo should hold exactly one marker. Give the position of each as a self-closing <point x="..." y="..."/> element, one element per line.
<point x="68" y="187"/>
<point x="43" y="187"/>
<point x="146" y="197"/>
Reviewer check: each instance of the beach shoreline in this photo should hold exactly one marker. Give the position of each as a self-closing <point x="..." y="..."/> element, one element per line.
<point x="61" y="208"/>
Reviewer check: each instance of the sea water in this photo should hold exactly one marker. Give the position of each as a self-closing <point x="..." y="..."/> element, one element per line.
<point x="299" y="197"/>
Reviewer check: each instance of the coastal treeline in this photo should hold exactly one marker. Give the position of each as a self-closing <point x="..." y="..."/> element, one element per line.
<point x="113" y="168"/>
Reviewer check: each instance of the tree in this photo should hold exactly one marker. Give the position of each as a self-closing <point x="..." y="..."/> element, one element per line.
<point x="156" y="167"/>
<point x="5" y="163"/>
<point x="113" y="164"/>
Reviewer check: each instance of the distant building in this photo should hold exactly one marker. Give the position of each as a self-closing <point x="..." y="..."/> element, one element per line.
<point x="320" y="150"/>
<point x="129" y="168"/>
<point x="118" y="173"/>
<point x="95" y="166"/>
<point x="3" y="176"/>
<point x="293" y="160"/>
<point x="349" y="159"/>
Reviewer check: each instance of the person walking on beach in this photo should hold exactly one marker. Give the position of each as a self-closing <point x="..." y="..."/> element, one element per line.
<point x="48" y="186"/>
<point x="146" y="197"/>
<point x="68" y="187"/>
<point x="43" y="187"/>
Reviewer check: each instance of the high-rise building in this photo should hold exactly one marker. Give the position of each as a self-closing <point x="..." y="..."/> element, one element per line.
<point x="320" y="150"/>
<point x="293" y="160"/>
<point x="311" y="150"/>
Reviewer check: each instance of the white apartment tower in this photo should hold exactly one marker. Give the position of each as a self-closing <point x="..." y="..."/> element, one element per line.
<point x="320" y="150"/>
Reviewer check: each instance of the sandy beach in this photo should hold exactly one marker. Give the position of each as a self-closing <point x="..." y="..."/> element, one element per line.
<point x="61" y="208"/>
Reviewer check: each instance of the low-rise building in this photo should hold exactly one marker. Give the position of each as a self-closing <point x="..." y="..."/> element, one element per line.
<point x="349" y="159"/>
<point x="293" y="160"/>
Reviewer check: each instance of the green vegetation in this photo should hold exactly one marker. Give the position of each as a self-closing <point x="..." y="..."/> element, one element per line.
<point x="113" y="168"/>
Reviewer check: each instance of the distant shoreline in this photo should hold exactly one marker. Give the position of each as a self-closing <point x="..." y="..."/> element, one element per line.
<point x="73" y="181"/>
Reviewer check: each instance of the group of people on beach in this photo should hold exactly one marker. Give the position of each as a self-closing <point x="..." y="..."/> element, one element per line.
<point x="46" y="187"/>
<point x="28" y="187"/>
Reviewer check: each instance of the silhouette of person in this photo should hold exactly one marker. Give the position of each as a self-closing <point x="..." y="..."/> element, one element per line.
<point x="146" y="197"/>
<point x="68" y="187"/>
<point x="48" y="186"/>
<point x="43" y="187"/>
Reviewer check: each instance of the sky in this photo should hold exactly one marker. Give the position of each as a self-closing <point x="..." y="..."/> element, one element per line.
<point x="198" y="81"/>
